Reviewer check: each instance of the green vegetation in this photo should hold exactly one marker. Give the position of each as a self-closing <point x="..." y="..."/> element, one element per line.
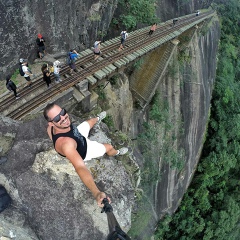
<point x="14" y="76"/>
<point x="211" y="207"/>
<point x="157" y="138"/>
<point x="101" y="34"/>
<point x="102" y="97"/>
<point x="100" y="91"/>
<point x="108" y="120"/>
<point x="95" y="17"/>
<point x="184" y="57"/>
<point x="173" y="69"/>
<point x="114" y="79"/>
<point x="137" y="11"/>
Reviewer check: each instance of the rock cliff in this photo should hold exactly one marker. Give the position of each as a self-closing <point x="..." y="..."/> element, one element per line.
<point x="186" y="91"/>
<point x="49" y="201"/>
<point x="64" y="24"/>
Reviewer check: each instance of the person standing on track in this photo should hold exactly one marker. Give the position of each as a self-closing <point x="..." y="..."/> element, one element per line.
<point x="11" y="86"/>
<point x="124" y="36"/>
<point x="56" y="71"/>
<point x="73" y="143"/>
<point x="27" y="72"/>
<point x="46" y="74"/>
<point x="41" y="46"/>
<point x="72" y="57"/>
<point x="97" y="50"/>
<point x="174" y="21"/>
<point x="152" y="29"/>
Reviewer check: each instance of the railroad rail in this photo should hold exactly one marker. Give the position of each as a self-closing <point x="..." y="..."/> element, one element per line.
<point x="111" y="59"/>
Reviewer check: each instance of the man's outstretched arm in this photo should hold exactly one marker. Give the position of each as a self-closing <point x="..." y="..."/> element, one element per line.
<point x="73" y="156"/>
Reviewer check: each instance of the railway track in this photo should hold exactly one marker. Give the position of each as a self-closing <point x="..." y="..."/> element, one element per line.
<point x="86" y="67"/>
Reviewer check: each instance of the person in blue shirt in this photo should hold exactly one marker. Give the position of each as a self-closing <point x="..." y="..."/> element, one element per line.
<point x="73" y="55"/>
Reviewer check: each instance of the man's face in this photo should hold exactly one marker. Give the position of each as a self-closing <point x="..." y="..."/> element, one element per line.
<point x="59" y="117"/>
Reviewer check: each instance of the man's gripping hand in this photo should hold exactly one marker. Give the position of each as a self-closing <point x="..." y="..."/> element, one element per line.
<point x="99" y="198"/>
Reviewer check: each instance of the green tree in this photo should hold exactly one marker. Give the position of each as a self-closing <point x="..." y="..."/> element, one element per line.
<point x="137" y="11"/>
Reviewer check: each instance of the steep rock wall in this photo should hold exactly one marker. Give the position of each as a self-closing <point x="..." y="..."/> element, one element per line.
<point x="189" y="96"/>
<point x="49" y="199"/>
<point x="64" y="24"/>
<point x="168" y="9"/>
<point x="187" y="88"/>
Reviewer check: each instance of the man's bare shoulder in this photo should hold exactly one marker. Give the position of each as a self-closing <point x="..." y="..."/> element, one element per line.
<point x="64" y="145"/>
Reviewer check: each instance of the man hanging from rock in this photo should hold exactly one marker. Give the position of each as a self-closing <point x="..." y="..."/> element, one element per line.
<point x="73" y="143"/>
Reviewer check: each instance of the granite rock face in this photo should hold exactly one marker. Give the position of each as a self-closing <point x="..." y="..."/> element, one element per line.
<point x="186" y="89"/>
<point x="64" y="25"/>
<point x="49" y="200"/>
<point x="171" y="9"/>
<point x="48" y="194"/>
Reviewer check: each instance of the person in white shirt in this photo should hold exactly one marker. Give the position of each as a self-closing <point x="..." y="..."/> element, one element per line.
<point x="27" y="72"/>
<point x="97" y="50"/>
<point x="56" y="71"/>
<point x="124" y="36"/>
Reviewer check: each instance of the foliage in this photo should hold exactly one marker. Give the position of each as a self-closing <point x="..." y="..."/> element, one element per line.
<point x="101" y="33"/>
<point x="100" y="92"/>
<point x="140" y="220"/>
<point x="173" y="69"/>
<point x="115" y="21"/>
<point x="102" y="96"/>
<point x="158" y="141"/>
<point x="109" y="121"/>
<point x="184" y="56"/>
<point x="14" y="76"/>
<point x="137" y="11"/>
<point x="211" y="207"/>
<point x="95" y="17"/>
<point x="114" y="79"/>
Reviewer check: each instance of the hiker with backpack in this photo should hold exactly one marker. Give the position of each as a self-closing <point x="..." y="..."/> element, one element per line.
<point x="197" y="13"/>
<point x="11" y="86"/>
<point x="71" y="59"/>
<point x="25" y="71"/>
<point x="41" y="47"/>
<point x="97" y="50"/>
<point x="124" y="36"/>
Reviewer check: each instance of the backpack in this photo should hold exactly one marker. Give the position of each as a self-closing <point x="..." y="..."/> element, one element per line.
<point x="5" y="199"/>
<point x="123" y="35"/>
<point x="69" y="59"/>
<point x="11" y="85"/>
<point x="21" y="72"/>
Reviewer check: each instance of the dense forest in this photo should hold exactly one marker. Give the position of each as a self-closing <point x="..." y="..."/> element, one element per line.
<point x="210" y="208"/>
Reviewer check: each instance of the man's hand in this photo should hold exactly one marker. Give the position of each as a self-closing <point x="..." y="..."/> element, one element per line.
<point x="99" y="198"/>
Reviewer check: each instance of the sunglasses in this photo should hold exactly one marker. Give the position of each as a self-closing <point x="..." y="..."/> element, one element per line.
<point x="57" y="118"/>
